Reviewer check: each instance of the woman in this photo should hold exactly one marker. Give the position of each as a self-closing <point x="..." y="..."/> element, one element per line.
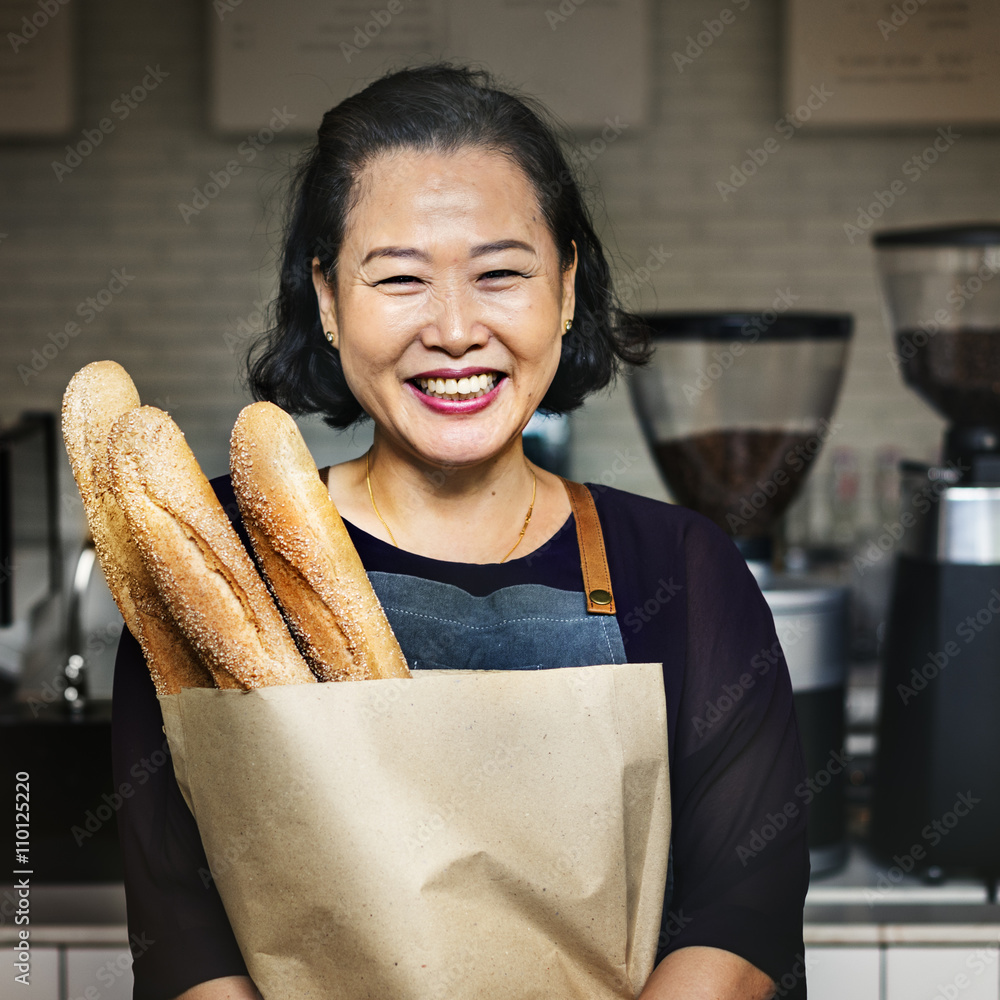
<point x="441" y="276"/>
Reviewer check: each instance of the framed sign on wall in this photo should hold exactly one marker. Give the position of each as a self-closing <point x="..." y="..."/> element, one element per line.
<point x="895" y="62"/>
<point x="36" y="68"/>
<point x="588" y="61"/>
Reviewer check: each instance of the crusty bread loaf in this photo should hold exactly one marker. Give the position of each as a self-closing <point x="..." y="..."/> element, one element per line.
<point x="95" y="397"/>
<point x="199" y="565"/>
<point x="305" y="552"/>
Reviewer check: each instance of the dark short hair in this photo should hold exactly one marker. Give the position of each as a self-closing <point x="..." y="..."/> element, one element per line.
<point x="444" y="108"/>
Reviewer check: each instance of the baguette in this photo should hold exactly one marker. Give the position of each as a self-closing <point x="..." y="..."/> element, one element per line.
<point x="95" y="397"/>
<point x="304" y="550"/>
<point x="199" y="565"/>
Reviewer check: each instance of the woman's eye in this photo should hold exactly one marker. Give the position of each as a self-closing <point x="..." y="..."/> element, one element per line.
<point x="398" y="279"/>
<point x="503" y="274"/>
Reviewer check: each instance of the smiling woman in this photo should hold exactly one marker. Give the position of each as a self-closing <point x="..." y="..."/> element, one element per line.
<point x="442" y="278"/>
<point x="446" y="241"/>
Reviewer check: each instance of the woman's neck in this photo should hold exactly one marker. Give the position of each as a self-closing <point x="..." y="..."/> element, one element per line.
<point x="459" y="514"/>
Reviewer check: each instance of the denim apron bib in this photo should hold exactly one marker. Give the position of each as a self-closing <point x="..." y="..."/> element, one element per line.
<point x="521" y="627"/>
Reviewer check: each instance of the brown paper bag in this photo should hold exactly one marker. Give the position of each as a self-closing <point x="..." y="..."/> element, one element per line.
<point x="482" y="834"/>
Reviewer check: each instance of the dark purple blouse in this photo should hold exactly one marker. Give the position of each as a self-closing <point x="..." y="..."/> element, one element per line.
<point x="685" y="597"/>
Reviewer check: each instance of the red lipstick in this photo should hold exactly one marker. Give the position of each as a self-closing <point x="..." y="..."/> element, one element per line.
<point x="457" y="406"/>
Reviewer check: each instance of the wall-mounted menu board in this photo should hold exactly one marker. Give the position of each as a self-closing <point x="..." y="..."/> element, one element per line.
<point x="894" y="62"/>
<point x="36" y="67"/>
<point x="587" y="59"/>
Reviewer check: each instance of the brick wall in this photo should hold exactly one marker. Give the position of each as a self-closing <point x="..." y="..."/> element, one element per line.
<point x="187" y="287"/>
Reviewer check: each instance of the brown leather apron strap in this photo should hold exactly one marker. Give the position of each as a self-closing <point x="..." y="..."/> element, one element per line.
<point x="593" y="558"/>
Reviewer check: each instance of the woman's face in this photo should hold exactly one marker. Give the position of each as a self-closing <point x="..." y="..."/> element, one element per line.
<point x="449" y="305"/>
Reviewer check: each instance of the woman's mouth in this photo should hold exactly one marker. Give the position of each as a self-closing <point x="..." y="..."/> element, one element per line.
<point x="455" y="389"/>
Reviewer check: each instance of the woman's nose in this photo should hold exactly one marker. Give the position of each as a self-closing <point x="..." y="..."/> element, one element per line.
<point x="456" y="325"/>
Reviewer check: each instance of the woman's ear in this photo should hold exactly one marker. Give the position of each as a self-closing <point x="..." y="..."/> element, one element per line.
<point x="325" y="300"/>
<point x="569" y="290"/>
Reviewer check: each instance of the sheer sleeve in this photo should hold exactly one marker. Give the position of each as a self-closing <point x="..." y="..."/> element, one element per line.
<point x="739" y="844"/>
<point x="738" y="852"/>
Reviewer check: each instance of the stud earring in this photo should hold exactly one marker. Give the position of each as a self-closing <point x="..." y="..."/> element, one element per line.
<point x="567" y="325"/>
<point x="329" y="336"/>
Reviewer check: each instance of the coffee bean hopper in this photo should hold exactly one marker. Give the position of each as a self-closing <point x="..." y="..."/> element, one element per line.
<point x="735" y="407"/>
<point x="938" y="731"/>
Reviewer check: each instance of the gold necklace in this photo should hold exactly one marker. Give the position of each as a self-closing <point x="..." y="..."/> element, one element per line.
<point x="371" y="496"/>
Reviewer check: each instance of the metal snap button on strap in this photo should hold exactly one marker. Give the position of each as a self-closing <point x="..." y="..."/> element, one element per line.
<point x="601" y="597"/>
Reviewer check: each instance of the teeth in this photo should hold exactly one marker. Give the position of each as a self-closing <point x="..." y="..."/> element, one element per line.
<point x="463" y="388"/>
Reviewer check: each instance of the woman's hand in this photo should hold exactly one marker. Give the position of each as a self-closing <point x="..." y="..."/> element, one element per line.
<point x="227" y="988"/>
<point x="707" y="974"/>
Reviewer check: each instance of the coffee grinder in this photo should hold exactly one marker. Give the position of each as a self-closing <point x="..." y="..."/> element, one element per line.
<point x="937" y="791"/>
<point x="735" y="407"/>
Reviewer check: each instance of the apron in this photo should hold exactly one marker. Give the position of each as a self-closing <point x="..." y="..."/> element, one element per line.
<point x="523" y="627"/>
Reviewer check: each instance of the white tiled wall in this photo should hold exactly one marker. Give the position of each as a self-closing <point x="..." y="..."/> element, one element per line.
<point x="98" y="974"/>
<point x="941" y="974"/>
<point x="70" y="973"/>
<point x="902" y="972"/>
<point x="191" y="283"/>
<point x="837" y="973"/>
<point x="925" y="972"/>
<point x="42" y="982"/>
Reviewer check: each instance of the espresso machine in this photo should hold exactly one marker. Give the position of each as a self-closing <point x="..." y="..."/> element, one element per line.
<point x="937" y="783"/>
<point x="735" y="407"/>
